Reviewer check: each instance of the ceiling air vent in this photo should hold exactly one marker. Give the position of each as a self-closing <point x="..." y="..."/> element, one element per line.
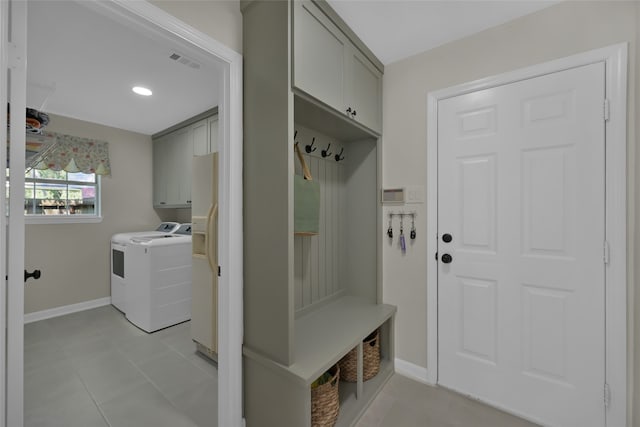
<point x="184" y="60"/>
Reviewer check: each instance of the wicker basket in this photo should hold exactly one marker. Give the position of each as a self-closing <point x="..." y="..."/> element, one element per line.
<point x="370" y="360"/>
<point x="325" y="403"/>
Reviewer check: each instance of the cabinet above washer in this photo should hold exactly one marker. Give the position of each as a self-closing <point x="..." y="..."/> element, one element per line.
<point x="173" y="151"/>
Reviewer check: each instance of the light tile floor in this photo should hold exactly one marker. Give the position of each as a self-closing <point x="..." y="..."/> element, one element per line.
<point x="95" y="369"/>
<point x="407" y="403"/>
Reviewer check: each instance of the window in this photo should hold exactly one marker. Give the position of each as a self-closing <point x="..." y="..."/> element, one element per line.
<point x="61" y="196"/>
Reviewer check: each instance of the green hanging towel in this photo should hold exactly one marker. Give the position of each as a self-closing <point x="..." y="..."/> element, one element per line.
<point x="306" y="196"/>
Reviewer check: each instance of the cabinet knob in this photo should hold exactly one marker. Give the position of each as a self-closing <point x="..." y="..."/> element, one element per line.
<point x="349" y="110"/>
<point x="354" y="113"/>
<point x="163" y="203"/>
<point x="188" y="201"/>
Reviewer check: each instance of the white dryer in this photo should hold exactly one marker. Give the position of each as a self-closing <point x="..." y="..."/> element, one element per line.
<point x="118" y="259"/>
<point x="158" y="271"/>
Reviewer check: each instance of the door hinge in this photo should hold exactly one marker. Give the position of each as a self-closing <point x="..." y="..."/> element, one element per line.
<point x="605" y="252"/>
<point x="607" y="110"/>
<point x="607" y="395"/>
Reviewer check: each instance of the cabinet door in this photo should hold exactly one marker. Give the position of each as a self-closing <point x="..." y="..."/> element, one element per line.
<point x="204" y="304"/>
<point x="184" y="156"/>
<point x="200" y="135"/>
<point x="318" y="55"/>
<point x="160" y="170"/>
<point x="212" y="122"/>
<point x="364" y="90"/>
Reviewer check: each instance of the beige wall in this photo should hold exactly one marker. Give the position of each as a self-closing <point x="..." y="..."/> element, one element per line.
<point x="220" y="19"/>
<point x="74" y="258"/>
<point x="562" y="30"/>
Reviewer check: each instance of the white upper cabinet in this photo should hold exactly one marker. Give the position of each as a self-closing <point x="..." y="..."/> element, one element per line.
<point x="330" y="68"/>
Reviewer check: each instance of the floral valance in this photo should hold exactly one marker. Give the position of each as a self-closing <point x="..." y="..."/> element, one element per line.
<point x="75" y="154"/>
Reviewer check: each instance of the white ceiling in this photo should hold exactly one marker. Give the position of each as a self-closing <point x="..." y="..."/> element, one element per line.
<point x="82" y="64"/>
<point x="397" y="29"/>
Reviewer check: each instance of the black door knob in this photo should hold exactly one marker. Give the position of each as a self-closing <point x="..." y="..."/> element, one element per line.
<point x="446" y="237"/>
<point x="446" y="258"/>
<point x="35" y="274"/>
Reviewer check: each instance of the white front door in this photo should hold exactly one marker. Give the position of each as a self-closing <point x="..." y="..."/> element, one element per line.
<point x="13" y="16"/>
<point x="521" y="183"/>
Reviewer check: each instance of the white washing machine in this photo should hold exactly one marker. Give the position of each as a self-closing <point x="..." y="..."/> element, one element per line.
<point x="158" y="271"/>
<point x="118" y="259"/>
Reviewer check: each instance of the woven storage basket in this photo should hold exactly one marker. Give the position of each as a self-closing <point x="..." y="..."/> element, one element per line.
<point x="370" y="360"/>
<point x="325" y="403"/>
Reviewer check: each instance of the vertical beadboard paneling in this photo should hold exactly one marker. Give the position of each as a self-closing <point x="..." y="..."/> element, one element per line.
<point x="335" y="229"/>
<point x="342" y="231"/>
<point x="314" y="246"/>
<point x="318" y="261"/>
<point x="328" y="210"/>
<point x="297" y="272"/>
<point x="322" y="238"/>
<point x="306" y="272"/>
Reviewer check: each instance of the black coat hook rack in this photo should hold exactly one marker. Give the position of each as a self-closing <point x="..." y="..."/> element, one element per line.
<point x="311" y="148"/>
<point x="339" y="156"/>
<point x="326" y="152"/>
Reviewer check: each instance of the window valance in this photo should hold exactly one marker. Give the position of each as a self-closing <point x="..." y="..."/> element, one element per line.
<point x="75" y="154"/>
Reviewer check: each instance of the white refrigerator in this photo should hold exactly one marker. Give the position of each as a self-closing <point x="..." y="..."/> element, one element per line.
<point x="204" y="237"/>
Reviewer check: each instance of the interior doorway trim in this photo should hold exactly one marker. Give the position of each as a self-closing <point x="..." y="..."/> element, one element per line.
<point x="615" y="59"/>
<point x="230" y="314"/>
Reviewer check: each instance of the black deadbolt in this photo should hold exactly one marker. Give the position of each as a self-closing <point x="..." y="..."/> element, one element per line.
<point x="446" y="258"/>
<point x="35" y="274"/>
<point x="447" y="238"/>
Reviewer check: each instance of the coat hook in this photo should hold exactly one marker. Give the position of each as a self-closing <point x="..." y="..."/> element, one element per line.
<point x="325" y="152"/>
<point x="311" y="148"/>
<point x="340" y="156"/>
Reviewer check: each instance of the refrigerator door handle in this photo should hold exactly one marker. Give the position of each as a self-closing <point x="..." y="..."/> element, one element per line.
<point x="212" y="238"/>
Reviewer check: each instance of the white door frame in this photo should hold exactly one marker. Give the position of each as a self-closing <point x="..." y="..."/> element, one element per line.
<point x="230" y="314"/>
<point x="14" y="81"/>
<point x="615" y="58"/>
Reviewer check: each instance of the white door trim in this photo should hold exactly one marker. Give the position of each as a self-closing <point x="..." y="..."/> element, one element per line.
<point x="615" y="58"/>
<point x="230" y="314"/>
<point x="15" y="237"/>
<point x="4" y="65"/>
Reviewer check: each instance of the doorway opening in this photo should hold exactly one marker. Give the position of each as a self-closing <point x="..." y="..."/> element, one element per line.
<point x="225" y="69"/>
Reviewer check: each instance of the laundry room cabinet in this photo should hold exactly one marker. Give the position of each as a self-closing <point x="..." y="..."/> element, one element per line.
<point x="332" y="69"/>
<point x="173" y="151"/>
<point x="308" y="300"/>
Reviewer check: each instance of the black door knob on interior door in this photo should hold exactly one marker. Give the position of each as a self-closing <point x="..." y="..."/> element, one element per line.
<point x="446" y="258"/>
<point x="35" y="274"/>
<point x="446" y="237"/>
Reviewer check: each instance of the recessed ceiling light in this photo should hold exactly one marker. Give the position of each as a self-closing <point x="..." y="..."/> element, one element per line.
<point x="142" y="91"/>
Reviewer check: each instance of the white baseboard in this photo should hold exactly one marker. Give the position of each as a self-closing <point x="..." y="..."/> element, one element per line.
<point x="412" y="371"/>
<point x="65" y="309"/>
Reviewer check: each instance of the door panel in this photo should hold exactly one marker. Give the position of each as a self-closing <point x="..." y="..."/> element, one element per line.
<point x="521" y="190"/>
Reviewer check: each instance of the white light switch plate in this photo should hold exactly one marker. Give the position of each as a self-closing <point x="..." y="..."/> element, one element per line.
<point x="414" y="194"/>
